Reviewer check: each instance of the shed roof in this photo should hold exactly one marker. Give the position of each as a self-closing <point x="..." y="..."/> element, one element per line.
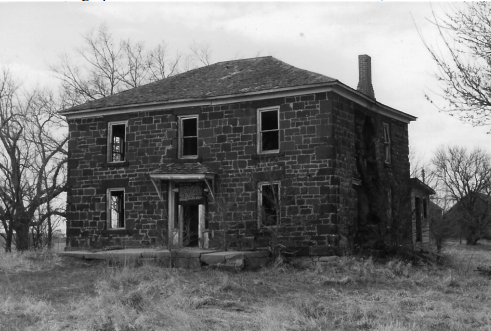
<point x="182" y="168"/>
<point x="416" y="183"/>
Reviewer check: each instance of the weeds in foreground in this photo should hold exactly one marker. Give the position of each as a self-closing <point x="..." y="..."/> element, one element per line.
<point x="349" y="293"/>
<point x="30" y="261"/>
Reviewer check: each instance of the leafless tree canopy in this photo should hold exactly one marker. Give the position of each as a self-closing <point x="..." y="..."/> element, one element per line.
<point x="104" y="66"/>
<point x="32" y="158"/>
<point x="466" y="176"/>
<point x="464" y="63"/>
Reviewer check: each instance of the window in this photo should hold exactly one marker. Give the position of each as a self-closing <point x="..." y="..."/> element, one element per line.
<point x="116" y="141"/>
<point x="115" y="208"/>
<point x="268" y="128"/>
<point x="387" y="143"/>
<point x="188" y="137"/>
<point x="269" y="200"/>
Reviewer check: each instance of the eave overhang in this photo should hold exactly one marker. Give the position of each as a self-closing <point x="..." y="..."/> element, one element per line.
<point x="336" y="87"/>
<point x="182" y="177"/>
<point x="416" y="183"/>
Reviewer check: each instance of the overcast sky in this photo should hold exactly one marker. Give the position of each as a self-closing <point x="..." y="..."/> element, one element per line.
<point x="321" y="37"/>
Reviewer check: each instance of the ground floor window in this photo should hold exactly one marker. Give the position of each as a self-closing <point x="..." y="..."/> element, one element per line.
<point x="269" y="202"/>
<point x="115" y="212"/>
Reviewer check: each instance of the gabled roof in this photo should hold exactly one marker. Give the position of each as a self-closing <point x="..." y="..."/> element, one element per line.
<point x="219" y="79"/>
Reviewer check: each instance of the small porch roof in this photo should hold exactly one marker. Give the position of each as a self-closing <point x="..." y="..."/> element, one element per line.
<point x="416" y="183"/>
<point x="189" y="171"/>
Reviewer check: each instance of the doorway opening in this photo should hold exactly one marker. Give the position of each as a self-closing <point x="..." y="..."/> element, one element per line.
<point x="190" y="231"/>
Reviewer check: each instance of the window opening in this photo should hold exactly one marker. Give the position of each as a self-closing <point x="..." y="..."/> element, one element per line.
<point x="117" y="142"/>
<point x="269" y="132"/>
<point x="116" y="209"/>
<point x="269" y="203"/>
<point x="387" y="143"/>
<point x="189" y="137"/>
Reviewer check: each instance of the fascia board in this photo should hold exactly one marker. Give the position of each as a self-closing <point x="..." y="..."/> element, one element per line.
<point x="172" y="177"/>
<point x="336" y="87"/>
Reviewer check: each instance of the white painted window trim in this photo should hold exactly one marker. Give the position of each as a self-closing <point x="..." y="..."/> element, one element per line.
<point x="387" y="144"/>
<point x="110" y="140"/>
<point x="259" y="132"/>
<point x="108" y="207"/>
<point x="180" y="136"/>
<point x="260" y="198"/>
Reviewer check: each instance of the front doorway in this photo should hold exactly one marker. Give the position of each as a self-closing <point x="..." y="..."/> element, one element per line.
<point x="188" y="226"/>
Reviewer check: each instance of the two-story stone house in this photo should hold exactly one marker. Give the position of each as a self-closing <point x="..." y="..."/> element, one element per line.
<point x="236" y="147"/>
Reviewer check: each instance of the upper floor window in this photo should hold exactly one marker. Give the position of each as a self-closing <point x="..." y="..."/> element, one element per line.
<point x="188" y="136"/>
<point x="116" y="142"/>
<point x="269" y="203"/>
<point x="269" y="130"/>
<point x="115" y="209"/>
<point x="387" y="143"/>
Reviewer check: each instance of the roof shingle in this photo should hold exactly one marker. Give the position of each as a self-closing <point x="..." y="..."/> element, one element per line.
<point x="219" y="79"/>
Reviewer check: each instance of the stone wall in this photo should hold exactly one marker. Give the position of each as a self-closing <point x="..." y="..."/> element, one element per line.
<point x="364" y="176"/>
<point x="315" y="167"/>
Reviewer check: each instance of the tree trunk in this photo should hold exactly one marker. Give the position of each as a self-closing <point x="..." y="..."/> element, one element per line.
<point x="8" y="240"/>
<point x="22" y="235"/>
<point x="50" y="234"/>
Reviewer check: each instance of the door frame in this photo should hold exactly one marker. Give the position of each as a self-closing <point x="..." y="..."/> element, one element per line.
<point x="175" y="233"/>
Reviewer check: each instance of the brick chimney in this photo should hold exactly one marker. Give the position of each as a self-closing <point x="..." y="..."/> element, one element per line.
<point x="365" y="70"/>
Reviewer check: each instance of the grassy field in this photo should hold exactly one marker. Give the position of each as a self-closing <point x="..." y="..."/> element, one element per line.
<point x="40" y="291"/>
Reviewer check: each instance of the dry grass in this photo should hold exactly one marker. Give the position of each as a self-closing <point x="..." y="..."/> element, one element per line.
<point x="350" y="294"/>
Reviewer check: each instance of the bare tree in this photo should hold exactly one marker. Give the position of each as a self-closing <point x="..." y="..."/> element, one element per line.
<point x="161" y="65"/>
<point x="442" y="227"/>
<point x="104" y="66"/>
<point x="201" y="53"/>
<point x="464" y="65"/>
<point x="32" y="159"/>
<point x="466" y="175"/>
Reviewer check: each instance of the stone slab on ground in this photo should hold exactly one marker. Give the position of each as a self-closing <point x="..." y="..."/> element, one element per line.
<point x="191" y="253"/>
<point x="77" y="254"/>
<point x="180" y="258"/>
<point x="222" y="257"/>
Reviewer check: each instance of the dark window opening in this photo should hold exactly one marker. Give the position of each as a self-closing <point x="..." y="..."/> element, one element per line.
<point x="189" y="137"/>
<point x="269" y="201"/>
<point x="116" y="209"/>
<point x="425" y="209"/>
<point x="118" y="143"/>
<point x="387" y="143"/>
<point x="269" y="130"/>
